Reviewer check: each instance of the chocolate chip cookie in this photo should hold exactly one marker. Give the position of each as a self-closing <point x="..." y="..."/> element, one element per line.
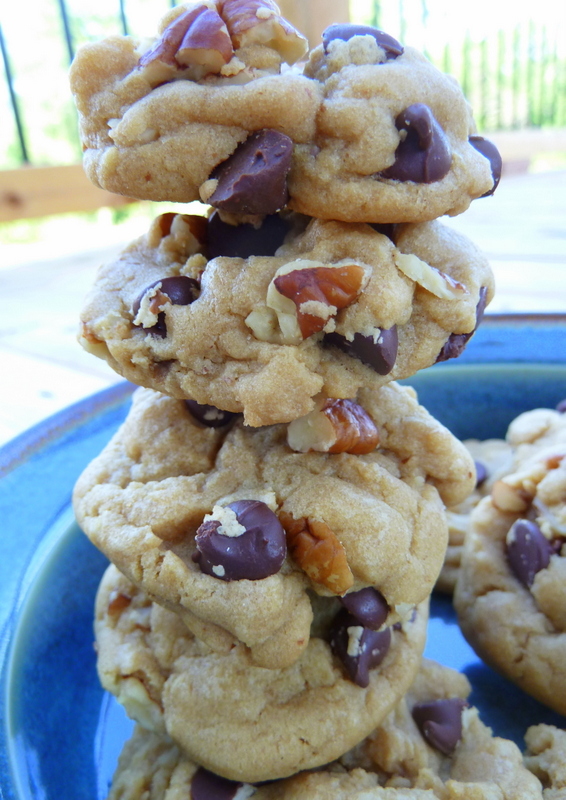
<point x="395" y="138"/>
<point x="370" y="132"/>
<point x="510" y="595"/>
<point x="219" y="708"/>
<point x="400" y="760"/>
<point x="158" y="116"/>
<point x="241" y="530"/>
<point x="262" y="318"/>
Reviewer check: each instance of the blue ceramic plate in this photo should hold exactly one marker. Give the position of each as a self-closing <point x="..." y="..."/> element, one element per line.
<point x="61" y="734"/>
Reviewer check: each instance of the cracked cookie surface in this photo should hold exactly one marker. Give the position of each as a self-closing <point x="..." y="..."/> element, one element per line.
<point x="219" y="707"/>
<point x="144" y="498"/>
<point x="411" y="297"/>
<point x="393" y="763"/>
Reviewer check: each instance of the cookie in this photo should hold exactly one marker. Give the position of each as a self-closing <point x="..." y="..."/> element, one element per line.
<point x="394" y="763"/>
<point x="220" y="709"/>
<point x="154" y="499"/>
<point x="493" y="459"/>
<point x="370" y="132"/>
<point x="510" y="595"/>
<point x="395" y="139"/>
<point x="546" y="758"/>
<point x="334" y="307"/>
<point x="157" y="116"/>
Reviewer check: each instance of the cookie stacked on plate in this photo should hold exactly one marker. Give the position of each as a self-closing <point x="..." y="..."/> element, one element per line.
<point x="274" y="502"/>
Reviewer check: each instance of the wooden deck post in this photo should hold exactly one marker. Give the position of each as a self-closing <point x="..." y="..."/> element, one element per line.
<point x="311" y="17"/>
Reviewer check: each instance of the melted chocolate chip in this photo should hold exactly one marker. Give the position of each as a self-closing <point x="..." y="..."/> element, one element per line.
<point x="242" y="241"/>
<point x="489" y="151"/>
<point x="253" y="555"/>
<point x="254" y="179"/>
<point x="206" y="785"/>
<point x="368" y="606"/>
<point x="210" y="416"/>
<point x="346" y="31"/>
<point x="440" y="722"/>
<point x="481" y="473"/>
<point x="528" y="551"/>
<point x="367" y="648"/>
<point x="180" y="290"/>
<point x="561" y="407"/>
<point x="456" y="342"/>
<point x="424" y="155"/>
<point x="380" y="355"/>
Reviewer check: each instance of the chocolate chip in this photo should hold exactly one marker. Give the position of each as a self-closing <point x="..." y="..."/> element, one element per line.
<point x="481" y="473"/>
<point x="180" y="290"/>
<point x="528" y="550"/>
<point x="561" y="407"/>
<point x="345" y="31"/>
<point x="252" y="555"/>
<point x="254" y="179"/>
<point x="490" y="151"/>
<point x="210" y="416"/>
<point x="368" y="606"/>
<point x="440" y="722"/>
<point x="456" y="342"/>
<point x="206" y="785"/>
<point x="424" y="155"/>
<point x="358" y="648"/>
<point x="242" y="241"/>
<point x="378" y="354"/>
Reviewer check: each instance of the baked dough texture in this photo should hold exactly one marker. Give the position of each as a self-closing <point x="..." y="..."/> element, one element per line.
<point x="220" y="708"/>
<point x="143" y="498"/>
<point x="216" y="352"/>
<point x="520" y="629"/>
<point x="156" y="131"/>
<point x="393" y="763"/>
<point x="546" y="758"/>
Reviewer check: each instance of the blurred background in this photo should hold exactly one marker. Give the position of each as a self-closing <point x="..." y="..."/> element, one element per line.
<point x="55" y="228"/>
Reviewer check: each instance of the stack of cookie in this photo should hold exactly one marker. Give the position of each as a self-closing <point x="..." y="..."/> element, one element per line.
<point x="274" y="503"/>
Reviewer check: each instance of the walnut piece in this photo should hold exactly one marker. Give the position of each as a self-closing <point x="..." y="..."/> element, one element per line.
<point x="317" y="550"/>
<point x="340" y="426"/>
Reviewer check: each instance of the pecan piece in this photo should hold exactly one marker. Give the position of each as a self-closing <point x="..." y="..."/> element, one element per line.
<point x="260" y="22"/>
<point x="340" y="426"/>
<point x="198" y="38"/>
<point x="317" y="550"/>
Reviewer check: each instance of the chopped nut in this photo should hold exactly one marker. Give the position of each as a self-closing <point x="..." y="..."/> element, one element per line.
<point x="306" y="294"/>
<point x="207" y="43"/>
<point x="189" y="232"/>
<point x="340" y="426"/>
<point x="259" y="22"/>
<point x="510" y="498"/>
<point x="118" y="602"/>
<point x="317" y="550"/>
<point x="196" y="43"/>
<point x="430" y="278"/>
